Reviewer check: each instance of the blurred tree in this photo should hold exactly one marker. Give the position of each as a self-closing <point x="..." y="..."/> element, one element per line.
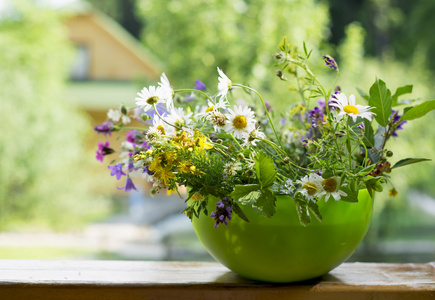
<point x="43" y="174"/>
<point x="123" y="11"/>
<point x="238" y="36"/>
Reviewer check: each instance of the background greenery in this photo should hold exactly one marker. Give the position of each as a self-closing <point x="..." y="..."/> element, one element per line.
<point x="45" y="180"/>
<point x="44" y="169"/>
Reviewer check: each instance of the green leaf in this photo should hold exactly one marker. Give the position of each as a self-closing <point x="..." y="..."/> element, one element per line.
<point x="363" y="94"/>
<point x="373" y="183"/>
<point x="238" y="211"/>
<point x="265" y="169"/>
<point x="243" y="190"/>
<point x="407" y="89"/>
<point x="408" y="161"/>
<point x="366" y="170"/>
<point x="406" y="109"/>
<point x="283" y="44"/>
<point x="352" y="194"/>
<point x="351" y="190"/>
<point x="314" y="209"/>
<point x="381" y="100"/>
<point x="265" y="204"/>
<point x="369" y="134"/>
<point x="327" y="173"/>
<point x="250" y="198"/>
<point x="301" y="208"/>
<point x="419" y="110"/>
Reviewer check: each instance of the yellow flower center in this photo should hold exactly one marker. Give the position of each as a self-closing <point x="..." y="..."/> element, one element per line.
<point x="350" y="109"/>
<point x="152" y="100"/>
<point x="209" y="109"/>
<point x="240" y="122"/>
<point x="161" y="129"/>
<point x="330" y="185"/>
<point x="310" y="187"/>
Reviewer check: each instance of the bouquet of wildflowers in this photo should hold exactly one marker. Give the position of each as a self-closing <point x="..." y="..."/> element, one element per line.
<point x="325" y="148"/>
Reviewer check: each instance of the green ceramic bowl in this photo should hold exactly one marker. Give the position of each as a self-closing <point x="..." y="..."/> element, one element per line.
<point x="281" y="250"/>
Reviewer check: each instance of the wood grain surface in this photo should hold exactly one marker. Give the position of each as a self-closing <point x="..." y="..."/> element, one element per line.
<point x="33" y="279"/>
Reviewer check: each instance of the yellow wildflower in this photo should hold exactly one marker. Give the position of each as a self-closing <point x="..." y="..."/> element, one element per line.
<point x="393" y="192"/>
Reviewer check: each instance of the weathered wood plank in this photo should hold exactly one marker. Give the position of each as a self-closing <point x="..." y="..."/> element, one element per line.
<point x="31" y="279"/>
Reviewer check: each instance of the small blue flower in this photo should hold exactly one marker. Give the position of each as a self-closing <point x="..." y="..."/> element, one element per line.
<point x="128" y="185"/>
<point x="116" y="170"/>
<point x="199" y="85"/>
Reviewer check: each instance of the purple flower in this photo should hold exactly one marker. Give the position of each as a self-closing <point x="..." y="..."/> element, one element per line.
<point x="396" y="118"/>
<point x="103" y="149"/>
<point x="160" y="108"/>
<point x="189" y="98"/>
<point x="330" y="62"/>
<point x="268" y="107"/>
<point x="282" y="121"/>
<point x="145" y="145"/>
<point x="223" y="212"/>
<point x="361" y="126"/>
<point x="116" y="170"/>
<point x="106" y="128"/>
<point x="199" y="85"/>
<point x="147" y="170"/>
<point x="128" y="185"/>
<point x="132" y="135"/>
<point x="316" y="116"/>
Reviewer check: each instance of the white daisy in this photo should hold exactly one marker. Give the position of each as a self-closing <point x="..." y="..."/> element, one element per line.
<point x="239" y="121"/>
<point x="252" y="136"/>
<point x="160" y="125"/>
<point x="311" y="186"/>
<point x="350" y="108"/>
<point x="168" y="91"/>
<point x="178" y="118"/>
<point x="114" y="115"/>
<point x="329" y="186"/>
<point x="148" y="97"/>
<point x="224" y="84"/>
<point x="211" y="107"/>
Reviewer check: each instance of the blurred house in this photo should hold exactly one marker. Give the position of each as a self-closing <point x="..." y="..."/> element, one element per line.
<point x="110" y="65"/>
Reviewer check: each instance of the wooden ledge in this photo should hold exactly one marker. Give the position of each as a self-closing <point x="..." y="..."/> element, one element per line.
<point x="32" y="279"/>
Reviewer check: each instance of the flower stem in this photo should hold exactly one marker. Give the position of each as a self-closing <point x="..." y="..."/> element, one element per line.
<point x="195" y="91"/>
<point x="265" y="109"/>
<point x="176" y="127"/>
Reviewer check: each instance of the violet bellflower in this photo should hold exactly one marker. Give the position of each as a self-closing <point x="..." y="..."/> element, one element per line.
<point x="199" y="85"/>
<point x="116" y="170"/>
<point x="396" y="119"/>
<point x="223" y="212"/>
<point x="128" y="185"/>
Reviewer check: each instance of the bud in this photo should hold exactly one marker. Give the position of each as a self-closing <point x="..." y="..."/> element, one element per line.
<point x="144" y="117"/>
<point x="249" y="173"/>
<point x="286" y="160"/>
<point x="277" y="55"/>
<point x="219" y="141"/>
<point x="280" y="75"/>
<point x="389" y="153"/>
<point x="124" y="110"/>
<point x="240" y="156"/>
<point x="153" y="192"/>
